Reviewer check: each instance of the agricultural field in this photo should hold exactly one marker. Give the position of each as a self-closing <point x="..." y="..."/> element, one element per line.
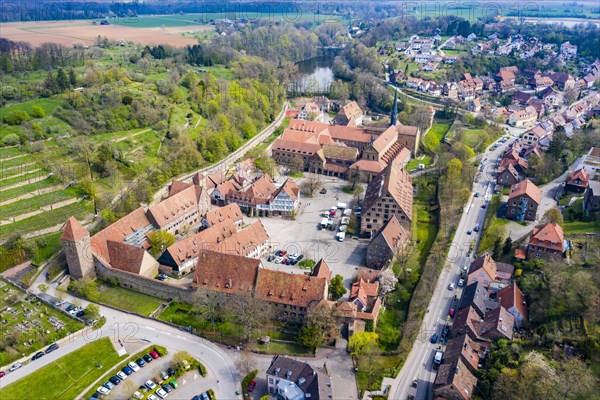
<point x="68" y="376"/>
<point x="29" y="325"/>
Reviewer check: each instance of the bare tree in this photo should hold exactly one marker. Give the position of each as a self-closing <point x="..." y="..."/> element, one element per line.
<point x="311" y="184"/>
<point x="245" y="362"/>
<point x="296" y="165"/>
<point x="244" y="310"/>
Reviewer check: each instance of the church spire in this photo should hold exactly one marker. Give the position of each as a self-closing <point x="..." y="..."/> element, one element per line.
<point x="394" y="118"/>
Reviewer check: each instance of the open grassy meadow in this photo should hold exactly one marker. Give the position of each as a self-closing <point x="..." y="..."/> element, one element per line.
<point x="128" y="300"/>
<point x="435" y="135"/>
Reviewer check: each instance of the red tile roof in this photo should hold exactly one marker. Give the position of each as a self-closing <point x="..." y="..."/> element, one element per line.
<point x="291" y="289"/>
<point x="322" y="270"/>
<point x="245" y="241"/>
<point x="259" y="192"/>
<point x="230" y="212"/>
<point x="178" y="186"/>
<point x="226" y="273"/>
<point x="386" y="139"/>
<point x="290" y="188"/>
<point x="175" y="206"/>
<point x="464" y="348"/>
<point x="349" y="134"/>
<point x="579" y="175"/>
<point x="526" y="187"/>
<point x="458" y="377"/>
<point x="74" y="231"/>
<point x="549" y="236"/>
<point x="394" y="234"/>
<point x="194" y="245"/>
<point x="395" y="181"/>
<point x="511" y="296"/>
<point x="125" y="257"/>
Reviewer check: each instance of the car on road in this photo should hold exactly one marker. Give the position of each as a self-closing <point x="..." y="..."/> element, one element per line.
<point x="167" y="388"/>
<point x="483" y="205"/>
<point x="476" y="229"/>
<point x="15" y="367"/>
<point x="461" y="282"/>
<point x="154" y="354"/>
<point x="412" y="390"/>
<point x="2" y="374"/>
<point x="102" y="390"/>
<point x="451" y="286"/>
<point x="37" y="355"/>
<point x="114" y="380"/>
<point x="121" y="375"/>
<point x="476" y="194"/>
<point x="51" y="348"/>
<point x="438" y="357"/>
<point x="150" y="385"/>
<point x="133" y="366"/>
<point x="251" y="385"/>
<point x="173" y="384"/>
<point x="140" y="362"/>
<point x="451" y="312"/>
<point x="147" y="358"/>
<point x="445" y="333"/>
<point x="469" y="232"/>
<point x="161" y="393"/>
<point x="434" y="338"/>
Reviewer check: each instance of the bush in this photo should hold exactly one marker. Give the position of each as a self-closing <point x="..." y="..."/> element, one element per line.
<point x="211" y="394"/>
<point x="247" y="379"/>
<point x="202" y="369"/>
<point x="11" y="139"/>
<point x="16" y="117"/>
<point x="38" y="112"/>
<point x="161" y="350"/>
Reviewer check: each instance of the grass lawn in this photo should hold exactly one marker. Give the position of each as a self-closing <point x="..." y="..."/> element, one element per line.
<point x="581" y="227"/>
<point x="9" y="293"/>
<point x="10" y="152"/>
<point x="414" y="163"/>
<point x="291" y="349"/>
<point x="434" y="136"/>
<point x="382" y="366"/>
<point x="38" y="325"/>
<point x="47" y="104"/>
<point x="128" y="300"/>
<point x="33" y="203"/>
<point x="45" y="247"/>
<point x="68" y="376"/>
<point x="472" y="138"/>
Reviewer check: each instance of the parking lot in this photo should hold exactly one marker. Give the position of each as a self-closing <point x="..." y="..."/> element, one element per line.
<point x="190" y="384"/>
<point x="303" y="236"/>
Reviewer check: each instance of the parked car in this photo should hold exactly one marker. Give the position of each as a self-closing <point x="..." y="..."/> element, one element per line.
<point x="451" y="286"/>
<point x="251" y="386"/>
<point x="109" y="385"/>
<point x="323" y="191"/>
<point x="476" y="229"/>
<point x="161" y="393"/>
<point x="173" y="383"/>
<point x="103" y="391"/>
<point x="271" y="258"/>
<point x="147" y="358"/>
<point x="140" y="362"/>
<point x="152" y="397"/>
<point x="158" y="380"/>
<point x="133" y="366"/>
<point x="170" y="371"/>
<point x="445" y="332"/>
<point x="37" y="355"/>
<point x="51" y="348"/>
<point x="121" y="375"/>
<point x="205" y="396"/>
<point x="138" y="395"/>
<point x="167" y="388"/>
<point x="483" y="205"/>
<point x="154" y="354"/>
<point x="434" y="338"/>
<point x="2" y="374"/>
<point x="289" y="261"/>
<point x="469" y="232"/>
<point x="150" y="385"/>
<point x="59" y="303"/>
<point x="114" y="380"/>
<point x="283" y="253"/>
<point x="164" y="374"/>
<point x="300" y="257"/>
<point x="80" y="314"/>
<point x="15" y="367"/>
<point x="127" y="370"/>
<point x="278" y="252"/>
<point x="476" y="194"/>
<point x="70" y="307"/>
<point x="451" y="312"/>
<point x="461" y="282"/>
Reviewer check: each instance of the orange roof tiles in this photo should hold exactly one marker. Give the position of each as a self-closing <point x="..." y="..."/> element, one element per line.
<point x="394" y="234"/>
<point x="226" y="273"/>
<point x="291" y="289"/>
<point x="178" y="186"/>
<point x="230" y="212"/>
<point x="394" y="181"/>
<point x="548" y="235"/>
<point x="194" y="245"/>
<point x="74" y="231"/>
<point x="175" y="206"/>
<point x="125" y="257"/>
<point x="245" y="241"/>
<point x="526" y="187"/>
<point x="511" y="296"/>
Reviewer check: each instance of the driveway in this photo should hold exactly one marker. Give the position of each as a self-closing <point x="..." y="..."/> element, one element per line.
<point x="303" y="236"/>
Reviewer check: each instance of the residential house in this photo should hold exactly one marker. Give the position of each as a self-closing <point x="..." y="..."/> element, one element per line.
<point x="475" y="295"/>
<point x="289" y="379"/>
<point x="349" y="115"/>
<point x="568" y="49"/>
<point x="563" y="80"/>
<point x="507" y="175"/>
<point x="512" y="299"/>
<point x="535" y="135"/>
<point x="523" y="201"/>
<point x="475" y="105"/>
<point x="454" y="381"/>
<point x="540" y="83"/>
<point x="434" y="90"/>
<point x="311" y="112"/>
<point x="578" y="181"/>
<point x="230" y="212"/>
<point x="449" y="59"/>
<point x="497" y="323"/>
<point x="552" y="98"/>
<point x="522" y="97"/>
<point x="389" y="194"/>
<point x="285" y="200"/>
<point x="451" y="90"/>
<point x="591" y="163"/>
<point x="181" y="212"/>
<point x="523" y="118"/>
<point x="386" y="243"/>
<point x="546" y="241"/>
<point x="220" y="193"/>
<point x="255" y="198"/>
<point x="491" y="274"/>
<point x="465" y="349"/>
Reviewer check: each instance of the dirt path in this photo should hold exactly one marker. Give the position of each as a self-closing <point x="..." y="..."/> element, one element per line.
<point x="23" y="183"/>
<point x="3" y="178"/>
<point x="130" y="136"/>
<point x="32" y="194"/>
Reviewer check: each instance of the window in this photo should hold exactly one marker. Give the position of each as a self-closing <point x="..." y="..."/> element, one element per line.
<point x="271" y="380"/>
<point x="512" y="211"/>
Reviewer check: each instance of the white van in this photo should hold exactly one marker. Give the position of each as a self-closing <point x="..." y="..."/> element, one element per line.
<point x="342" y="206"/>
<point x="340" y="236"/>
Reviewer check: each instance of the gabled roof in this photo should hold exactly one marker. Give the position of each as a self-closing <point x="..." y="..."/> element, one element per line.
<point x="498" y="320"/>
<point x="548" y="235"/>
<point x="310" y="380"/>
<point x="259" y="192"/>
<point x="463" y="348"/>
<point x="510" y="169"/>
<point x="290" y="188"/>
<point x="226" y="273"/>
<point x="291" y="289"/>
<point x="474" y="295"/>
<point x="340" y="152"/>
<point x="125" y="257"/>
<point x="511" y="296"/>
<point x="579" y="175"/>
<point x="230" y="212"/>
<point x="407" y="130"/>
<point x="525" y="187"/>
<point x="178" y="186"/>
<point x="394" y="181"/>
<point x="465" y="321"/>
<point x="349" y="134"/>
<point x="394" y="234"/>
<point x="383" y="141"/>
<point x="456" y="374"/>
<point x="560" y="77"/>
<point x="74" y="231"/>
<point x="245" y="241"/>
<point x="174" y="207"/>
<point x="321" y="270"/>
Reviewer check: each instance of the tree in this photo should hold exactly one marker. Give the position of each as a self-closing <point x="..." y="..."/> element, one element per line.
<point x="38" y="112"/>
<point x="43" y="287"/>
<point x="92" y="311"/>
<point x="159" y="242"/>
<point x="576" y="380"/>
<point x="85" y="287"/>
<point x="244" y="310"/>
<point x="211" y="311"/>
<point x="311" y="184"/>
<point x="387" y="282"/>
<point x="553" y="216"/>
<point x="296" y="165"/>
<point x="507" y="245"/>
<point x="62" y="81"/>
<point x="360" y="341"/>
<point x="496" y="251"/>
<point x="310" y="336"/>
<point x="72" y="77"/>
<point x="245" y="362"/>
<point x="336" y="287"/>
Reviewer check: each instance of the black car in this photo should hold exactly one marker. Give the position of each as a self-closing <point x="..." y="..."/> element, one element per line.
<point x="445" y="332"/>
<point x="294" y="262"/>
<point x="167" y="388"/>
<point x="70" y="307"/>
<point x="140" y="362"/>
<point x="271" y="258"/>
<point x="39" y="354"/>
<point x="300" y="257"/>
<point x="114" y="380"/>
<point x="80" y="314"/>
<point x="170" y="371"/>
<point x="147" y="358"/>
<point x="434" y="338"/>
<point x="288" y="261"/>
<point x="51" y="348"/>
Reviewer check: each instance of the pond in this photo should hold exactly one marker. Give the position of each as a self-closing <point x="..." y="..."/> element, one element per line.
<point x="316" y="75"/>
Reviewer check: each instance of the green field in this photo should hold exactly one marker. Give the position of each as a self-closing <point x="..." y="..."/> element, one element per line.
<point x="31" y="323"/>
<point x="434" y="136"/>
<point x="33" y="203"/>
<point x="414" y="163"/>
<point x="128" y="300"/>
<point x="47" y="104"/>
<point x="18" y="191"/>
<point x="473" y="138"/>
<point x="45" y="220"/>
<point x="68" y="376"/>
<point x="21" y="178"/>
<point x="10" y="152"/>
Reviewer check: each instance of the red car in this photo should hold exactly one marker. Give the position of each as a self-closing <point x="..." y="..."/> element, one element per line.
<point x="154" y="354"/>
<point x="251" y="386"/>
<point x="283" y="253"/>
<point x="451" y="312"/>
<point x="1" y="374"/>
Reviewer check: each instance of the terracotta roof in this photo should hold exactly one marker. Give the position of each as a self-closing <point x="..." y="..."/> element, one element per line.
<point x="369" y="289"/>
<point x="308" y="136"/>
<point x="526" y="187"/>
<point x="259" y="192"/>
<point x="520" y="254"/>
<point x="522" y="97"/>
<point x="289" y="187"/>
<point x="245" y="241"/>
<point x="321" y="270"/>
<point x="226" y="273"/>
<point x="368" y="274"/>
<point x="340" y="152"/>
<point x="394" y="234"/>
<point x="296" y="146"/>
<point x="407" y="130"/>
<point x="560" y="77"/>
<point x="174" y="207"/>
<point x="386" y="139"/>
<point x="291" y="289"/>
<point x="194" y="245"/>
<point x="456" y="375"/>
<point x="510" y="170"/>
<point x="349" y="134"/>
<point x="118" y="231"/>
<point x="125" y="257"/>
<point x="351" y="110"/>
<point x="394" y="181"/>
<point x="466" y="320"/>
<point x="491" y="267"/>
<point x="178" y="186"/>
<point x="306" y="126"/>
<point x="74" y="231"/>
<point x="579" y="175"/>
<point x="230" y="212"/>
<point x="372" y="166"/>
<point x="463" y="348"/>
<point x="209" y="181"/>
<point x="511" y="296"/>
<point x="548" y="235"/>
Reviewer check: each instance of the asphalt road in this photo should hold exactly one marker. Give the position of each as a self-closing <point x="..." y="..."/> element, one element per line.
<point x="419" y="363"/>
